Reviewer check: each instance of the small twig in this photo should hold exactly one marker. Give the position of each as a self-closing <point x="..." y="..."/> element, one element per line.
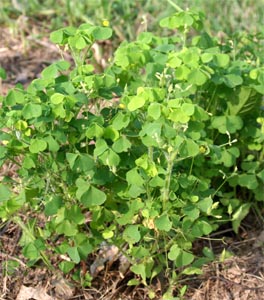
<point x="13" y="258"/>
<point x="244" y="287"/>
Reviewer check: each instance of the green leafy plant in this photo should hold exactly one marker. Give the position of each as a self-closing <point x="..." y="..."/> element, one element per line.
<point x="160" y="149"/>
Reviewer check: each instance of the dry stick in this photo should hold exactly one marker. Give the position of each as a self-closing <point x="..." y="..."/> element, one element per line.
<point x="13" y="258"/>
<point x="244" y="287"/>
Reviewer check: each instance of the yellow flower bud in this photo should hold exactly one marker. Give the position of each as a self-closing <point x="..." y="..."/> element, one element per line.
<point x="122" y="106"/>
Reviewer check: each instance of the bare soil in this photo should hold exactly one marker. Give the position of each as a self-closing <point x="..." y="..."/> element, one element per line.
<point x="240" y="277"/>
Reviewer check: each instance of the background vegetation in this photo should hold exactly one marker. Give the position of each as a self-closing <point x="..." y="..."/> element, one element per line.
<point x="127" y="17"/>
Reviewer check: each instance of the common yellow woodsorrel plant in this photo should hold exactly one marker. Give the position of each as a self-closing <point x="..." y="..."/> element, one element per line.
<point x="160" y="149"/>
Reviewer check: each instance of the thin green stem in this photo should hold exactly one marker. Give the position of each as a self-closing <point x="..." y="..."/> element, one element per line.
<point x="166" y="191"/>
<point x="190" y="172"/>
<point x="212" y="99"/>
<point x="32" y="238"/>
<point x="174" y="5"/>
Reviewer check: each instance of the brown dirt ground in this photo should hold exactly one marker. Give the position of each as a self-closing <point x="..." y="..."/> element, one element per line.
<point x="241" y="277"/>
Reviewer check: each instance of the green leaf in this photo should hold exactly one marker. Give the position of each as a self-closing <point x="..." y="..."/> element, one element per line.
<point x="131" y="234"/>
<point x="174" y="61"/>
<point x="21" y="125"/>
<point x="110" y="158"/>
<point x="5" y="193"/>
<point x="121" y="145"/>
<point x="84" y="163"/>
<point x="188" y="109"/>
<point x="157" y="182"/>
<point x="30" y="251"/>
<point x="37" y="145"/>
<point x="222" y="60"/>
<point x="241" y="102"/>
<point x="14" y="97"/>
<point x="121" y="121"/>
<point x="248" y="180"/>
<point x="74" y="254"/>
<point x="3" y="151"/>
<point x="145" y="37"/>
<point x="50" y="72"/>
<point x="205" y="205"/>
<point x="134" y="207"/>
<point x="77" y="42"/>
<point x="184" y="259"/>
<point x="2" y="73"/>
<point x="174" y="252"/>
<point x="84" y="245"/>
<point x="232" y="80"/>
<point x="57" y="36"/>
<point x="66" y="266"/>
<point x="229" y="156"/>
<point x="53" y="205"/>
<point x="133" y="177"/>
<point x="74" y="214"/>
<point x="182" y="72"/>
<point x="63" y="65"/>
<point x="31" y="110"/>
<point x="201" y="228"/>
<point x="261" y="175"/>
<point x="108" y="234"/>
<point x="92" y="197"/>
<point x="134" y="191"/>
<point x="206" y="57"/>
<point x="82" y="187"/>
<point x="154" y="111"/>
<point x="95" y="130"/>
<point x="57" y="98"/>
<point x="163" y="223"/>
<point x="208" y="252"/>
<point x="259" y="88"/>
<point x="192" y="212"/>
<point x="66" y="227"/>
<point x="192" y="271"/>
<point x="134" y="281"/>
<point x="28" y="162"/>
<point x="197" y="77"/>
<point x="239" y="215"/>
<point x="136" y="102"/>
<point x="139" y="269"/>
<point x="102" y="33"/>
<point x="226" y="124"/>
<point x="143" y="161"/>
<point x="100" y="147"/>
<point x="111" y="133"/>
<point x="52" y="143"/>
<point x="178" y="20"/>
<point x="71" y="158"/>
<point x="178" y="115"/>
<point x="189" y="148"/>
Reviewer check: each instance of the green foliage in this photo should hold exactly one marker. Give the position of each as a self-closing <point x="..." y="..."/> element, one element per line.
<point x="179" y="154"/>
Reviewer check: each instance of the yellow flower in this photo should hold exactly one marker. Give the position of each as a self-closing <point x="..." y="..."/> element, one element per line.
<point x="105" y="23"/>
<point x="122" y="106"/>
<point x="204" y="149"/>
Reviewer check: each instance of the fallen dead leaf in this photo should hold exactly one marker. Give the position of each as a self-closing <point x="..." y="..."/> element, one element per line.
<point x="63" y="289"/>
<point x="37" y="293"/>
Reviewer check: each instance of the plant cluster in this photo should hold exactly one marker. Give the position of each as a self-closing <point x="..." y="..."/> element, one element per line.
<point x="158" y="150"/>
